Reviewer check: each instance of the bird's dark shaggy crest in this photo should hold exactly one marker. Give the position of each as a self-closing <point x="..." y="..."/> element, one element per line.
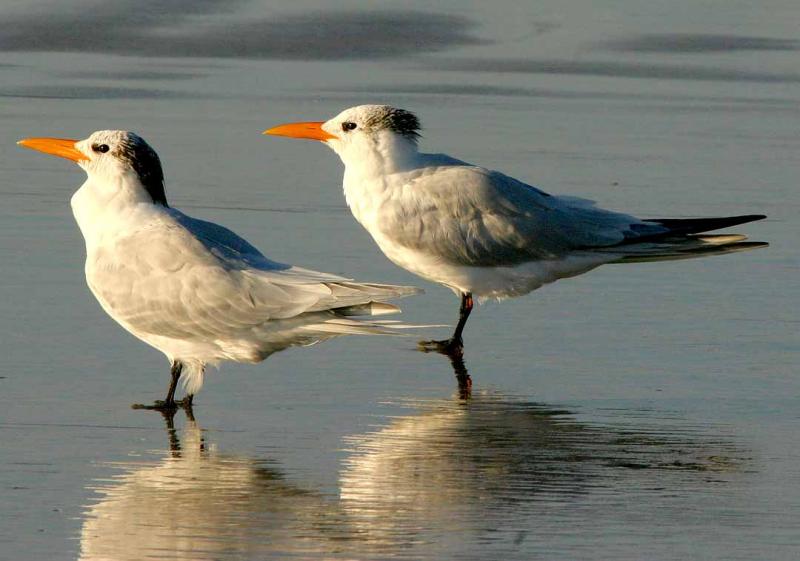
<point x="145" y="162"/>
<point x="403" y="122"/>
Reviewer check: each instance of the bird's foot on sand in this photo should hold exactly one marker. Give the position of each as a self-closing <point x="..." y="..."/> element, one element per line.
<point x="166" y="406"/>
<point x="450" y="347"/>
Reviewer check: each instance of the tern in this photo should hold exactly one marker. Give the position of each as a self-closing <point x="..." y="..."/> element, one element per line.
<point x="192" y="289"/>
<point x="482" y="233"/>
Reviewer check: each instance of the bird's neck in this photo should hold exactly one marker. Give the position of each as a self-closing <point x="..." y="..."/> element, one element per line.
<point x="105" y="207"/>
<point x="381" y="154"/>
<point x="370" y="166"/>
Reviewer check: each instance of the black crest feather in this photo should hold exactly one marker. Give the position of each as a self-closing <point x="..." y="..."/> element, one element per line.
<point x="402" y="122"/>
<point x="146" y="163"/>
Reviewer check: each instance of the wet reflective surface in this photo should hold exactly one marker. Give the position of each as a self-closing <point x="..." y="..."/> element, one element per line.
<point x="492" y="474"/>
<point x="637" y="412"/>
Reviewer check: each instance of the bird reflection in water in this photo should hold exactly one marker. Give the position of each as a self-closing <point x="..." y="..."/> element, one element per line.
<point x="462" y="376"/>
<point x="455" y="476"/>
<point x="198" y="503"/>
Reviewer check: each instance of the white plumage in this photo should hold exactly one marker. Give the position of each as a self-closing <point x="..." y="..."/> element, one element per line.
<point x="193" y="289"/>
<point x="478" y="231"/>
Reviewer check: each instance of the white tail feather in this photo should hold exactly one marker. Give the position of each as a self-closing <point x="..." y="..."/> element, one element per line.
<point x="192" y="375"/>
<point x="369" y="309"/>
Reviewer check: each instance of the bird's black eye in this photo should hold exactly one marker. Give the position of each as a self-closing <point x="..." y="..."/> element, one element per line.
<point x="348" y="126"/>
<point x="102" y="148"/>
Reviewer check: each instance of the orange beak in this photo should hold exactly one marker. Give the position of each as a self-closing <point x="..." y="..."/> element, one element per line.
<point x="61" y="147"/>
<point x="312" y="131"/>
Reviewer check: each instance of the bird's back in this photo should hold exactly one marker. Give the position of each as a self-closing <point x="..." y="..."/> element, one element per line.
<point x="468" y="215"/>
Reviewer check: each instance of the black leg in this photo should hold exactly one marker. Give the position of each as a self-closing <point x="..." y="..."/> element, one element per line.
<point x="454" y="346"/>
<point x="175" y="374"/>
<point x="463" y="316"/>
<point x="169" y="403"/>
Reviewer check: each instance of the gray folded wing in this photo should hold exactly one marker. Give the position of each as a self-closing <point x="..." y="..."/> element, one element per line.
<point x="188" y="278"/>
<point x="472" y="216"/>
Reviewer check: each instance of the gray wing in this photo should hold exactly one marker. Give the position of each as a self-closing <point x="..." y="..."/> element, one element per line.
<point x="183" y="278"/>
<point x="473" y="216"/>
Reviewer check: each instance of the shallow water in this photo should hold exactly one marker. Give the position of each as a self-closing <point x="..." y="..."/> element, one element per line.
<point x="641" y="411"/>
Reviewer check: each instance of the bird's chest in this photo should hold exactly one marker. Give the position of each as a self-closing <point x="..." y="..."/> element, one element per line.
<point x="375" y="206"/>
<point x="122" y="267"/>
<point x="394" y="220"/>
<point x="107" y="276"/>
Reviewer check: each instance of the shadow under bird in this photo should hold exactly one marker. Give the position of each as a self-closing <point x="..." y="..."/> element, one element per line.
<point x="482" y="233"/>
<point x="192" y="289"/>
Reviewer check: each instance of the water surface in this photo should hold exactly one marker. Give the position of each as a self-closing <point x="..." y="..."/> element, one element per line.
<point x="646" y="411"/>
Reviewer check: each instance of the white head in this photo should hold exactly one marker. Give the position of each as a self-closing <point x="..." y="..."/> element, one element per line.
<point x="361" y="132"/>
<point x="115" y="159"/>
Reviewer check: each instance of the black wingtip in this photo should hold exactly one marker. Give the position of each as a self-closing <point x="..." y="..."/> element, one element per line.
<point x="684" y="226"/>
<point x="750" y="217"/>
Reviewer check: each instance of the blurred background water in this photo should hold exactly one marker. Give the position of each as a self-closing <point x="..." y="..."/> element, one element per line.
<point x="646" y="411"/>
